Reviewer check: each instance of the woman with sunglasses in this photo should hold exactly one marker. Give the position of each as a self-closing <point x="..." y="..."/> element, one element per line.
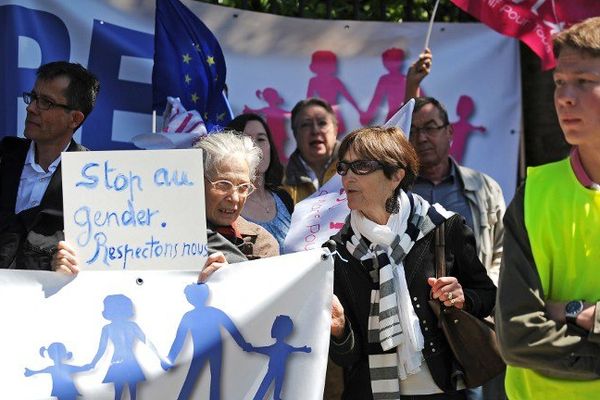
<point x="384" y="333"/>
<point x="230" y="162"/>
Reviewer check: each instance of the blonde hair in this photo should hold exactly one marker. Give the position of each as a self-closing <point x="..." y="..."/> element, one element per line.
<point x="583" y="37"/>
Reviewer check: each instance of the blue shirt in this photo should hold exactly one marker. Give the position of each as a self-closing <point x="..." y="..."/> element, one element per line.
<point x="279" y="225"/>
<point x="34" y="181"/>
<point x="449" y="193"/>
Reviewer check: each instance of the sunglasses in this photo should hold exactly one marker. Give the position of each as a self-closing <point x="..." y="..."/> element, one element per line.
<point x="359" y="167"/>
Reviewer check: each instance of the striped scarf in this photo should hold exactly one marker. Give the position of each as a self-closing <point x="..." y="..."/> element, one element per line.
<point x="393" y="323"/>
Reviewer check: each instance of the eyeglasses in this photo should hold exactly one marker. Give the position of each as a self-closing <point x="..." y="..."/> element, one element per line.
<point x="359" y="167"/>
<point x="223" y="186"/>
<point x="427" y="130"/>
<point x="42" y="102"/>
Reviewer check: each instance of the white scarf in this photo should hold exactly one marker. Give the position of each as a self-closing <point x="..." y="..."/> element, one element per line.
<point x="393" y="322"/>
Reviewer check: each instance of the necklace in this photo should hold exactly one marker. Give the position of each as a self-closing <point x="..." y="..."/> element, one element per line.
<point x="264" y="202"/>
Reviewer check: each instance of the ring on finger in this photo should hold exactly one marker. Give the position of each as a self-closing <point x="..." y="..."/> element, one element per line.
<point x="452" y="301"/>
<point x="450" y="295"/>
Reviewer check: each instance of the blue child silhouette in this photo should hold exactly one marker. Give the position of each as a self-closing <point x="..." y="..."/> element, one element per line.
<point x="122" y="332"/>
<point x="204" y="325"/>
<point x="278" y="354"/>
<point x="63" y="386"/>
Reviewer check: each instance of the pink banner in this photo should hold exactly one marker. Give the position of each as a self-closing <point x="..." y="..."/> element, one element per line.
<point x="532" y="21"/>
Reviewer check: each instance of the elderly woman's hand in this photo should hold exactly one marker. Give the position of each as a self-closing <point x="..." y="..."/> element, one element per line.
<point x="213" y="263"/>
<point x="338" y="319"/>
<point x="448" y="291"/>
<point x="65" y="259"/>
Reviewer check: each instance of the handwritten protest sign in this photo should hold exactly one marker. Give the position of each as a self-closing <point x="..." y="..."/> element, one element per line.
<point x="317" y="217"/>
<point x="135" y="209"/>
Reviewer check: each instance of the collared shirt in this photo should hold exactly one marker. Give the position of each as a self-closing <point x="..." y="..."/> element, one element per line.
<point x="34" y="181"/>
<point x="449" y="193"/>
<point x="311" y="174"/>
<point x="580" y="173"/>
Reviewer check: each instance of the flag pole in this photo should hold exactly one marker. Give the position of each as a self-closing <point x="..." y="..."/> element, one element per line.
<point x="435" y="7"/>
<point x="153" y="121"/>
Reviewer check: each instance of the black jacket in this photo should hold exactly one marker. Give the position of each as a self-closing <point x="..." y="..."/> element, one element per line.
<point x="352" y="285"/>
<point x="28" y="239"/>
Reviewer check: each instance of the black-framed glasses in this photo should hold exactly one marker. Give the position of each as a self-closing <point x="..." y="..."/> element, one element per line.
<point x="224" y="186"/>
<point x="359" y="167"/>
<point x="42" y="102"/>
<point x="427" y="130"/>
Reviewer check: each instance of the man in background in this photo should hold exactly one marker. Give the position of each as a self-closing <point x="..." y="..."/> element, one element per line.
<point x="31" y="207"/>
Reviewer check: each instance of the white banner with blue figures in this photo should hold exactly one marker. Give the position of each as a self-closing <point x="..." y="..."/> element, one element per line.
<point x="255" y="330"/>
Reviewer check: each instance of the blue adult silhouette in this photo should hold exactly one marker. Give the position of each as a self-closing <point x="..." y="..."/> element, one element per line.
<point x="204" y="324"/>
<point x="278" y="354"/>
<point x="63" y="387"/>
<point x="124" y="368"/>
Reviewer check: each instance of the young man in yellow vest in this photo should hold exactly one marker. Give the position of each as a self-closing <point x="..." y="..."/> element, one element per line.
<point x="547" y="311"/>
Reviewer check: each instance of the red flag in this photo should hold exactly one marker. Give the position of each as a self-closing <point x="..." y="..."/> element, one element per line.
<point x="532" y="21"/>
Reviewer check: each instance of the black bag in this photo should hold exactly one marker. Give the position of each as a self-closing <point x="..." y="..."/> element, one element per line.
<point x="472" y="340"/>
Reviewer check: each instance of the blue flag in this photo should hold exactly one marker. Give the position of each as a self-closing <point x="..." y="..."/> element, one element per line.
<point x="189" y="64"/>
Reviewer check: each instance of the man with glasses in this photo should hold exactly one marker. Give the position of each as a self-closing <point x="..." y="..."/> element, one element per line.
<point x="31" y="220"/>
<point x="472" y="194"/>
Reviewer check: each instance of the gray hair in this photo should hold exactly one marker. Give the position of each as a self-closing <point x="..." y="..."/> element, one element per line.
<point x="222" y="146"/>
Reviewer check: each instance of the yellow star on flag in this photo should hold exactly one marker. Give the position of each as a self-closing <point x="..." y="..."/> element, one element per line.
<point x="221" y="117"/>
<point x="205" y="116"/>
<point x="194" y="97"/>
<point x="197" y="47"/>
<point x="186" y="58"/>
<point x="188" y="79"/>
<point x="210" y="60"/>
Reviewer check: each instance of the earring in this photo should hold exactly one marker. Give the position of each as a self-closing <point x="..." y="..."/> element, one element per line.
<point x="392" y="205"/>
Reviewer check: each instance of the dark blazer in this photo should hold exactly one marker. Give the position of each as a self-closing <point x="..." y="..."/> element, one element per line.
<point x="28" y="239"/>
<point x="353" y="284"/>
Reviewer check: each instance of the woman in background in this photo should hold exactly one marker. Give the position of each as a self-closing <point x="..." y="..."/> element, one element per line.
<point x="269" y="205"/>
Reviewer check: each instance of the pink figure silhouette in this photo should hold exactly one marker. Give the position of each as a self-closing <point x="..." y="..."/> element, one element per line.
<point x="463" y="128"/>
<point x="326" y="85"/>
<point x="391" y="86"/>
<point x="275" y="118"/>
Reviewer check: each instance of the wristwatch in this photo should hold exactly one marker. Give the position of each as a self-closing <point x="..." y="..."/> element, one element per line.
<point x="572" y="310"/>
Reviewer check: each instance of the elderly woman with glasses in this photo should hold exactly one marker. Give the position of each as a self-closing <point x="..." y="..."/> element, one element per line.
<point x="384" y="333"/>
<point x="230" y="162"/>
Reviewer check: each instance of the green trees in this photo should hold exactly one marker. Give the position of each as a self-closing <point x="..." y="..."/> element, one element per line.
<point x="370" y="10"/>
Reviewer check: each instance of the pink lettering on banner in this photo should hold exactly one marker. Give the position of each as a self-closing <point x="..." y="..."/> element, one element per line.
<point x="313" y="229"/>
<point x="336" y="225"/>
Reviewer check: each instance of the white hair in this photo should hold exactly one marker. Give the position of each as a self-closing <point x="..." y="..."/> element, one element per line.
<point x="223" y="146"/>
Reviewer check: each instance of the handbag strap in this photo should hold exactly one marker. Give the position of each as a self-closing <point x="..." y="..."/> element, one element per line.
<point x="440" y="251"/>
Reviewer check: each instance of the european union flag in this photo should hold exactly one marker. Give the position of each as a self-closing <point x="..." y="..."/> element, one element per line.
<point x="189" y="64"/>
